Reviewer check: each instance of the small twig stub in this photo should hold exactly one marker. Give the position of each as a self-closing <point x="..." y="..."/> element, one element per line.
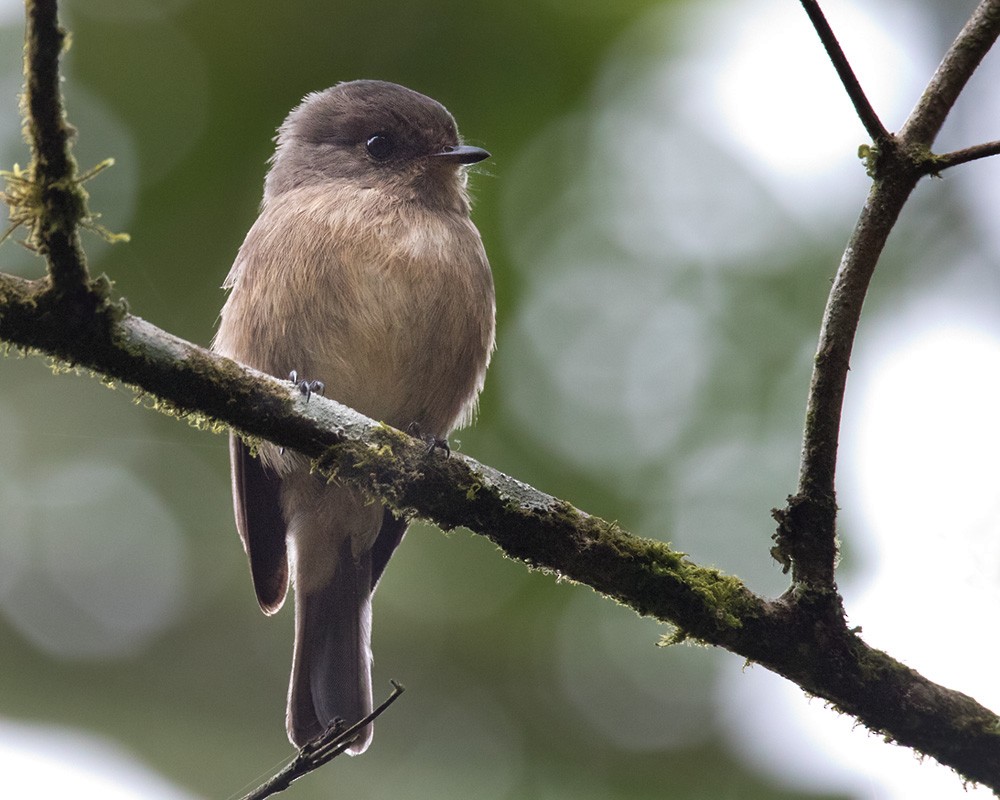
<point x="321" y="750"/>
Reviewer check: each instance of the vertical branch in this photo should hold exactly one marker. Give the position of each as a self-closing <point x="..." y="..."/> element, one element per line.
<point x="61" y="203"/>
<point x="807" y="527"/>
<point x="806" y="537"/>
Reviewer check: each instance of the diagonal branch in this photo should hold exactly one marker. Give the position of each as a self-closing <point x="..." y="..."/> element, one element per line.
<point x="321" y="750"/>
<point x="962" y="59"/>
<point x="869" y="118"/>
<point x="812" y="649"/>
<point x="212" y="391"/>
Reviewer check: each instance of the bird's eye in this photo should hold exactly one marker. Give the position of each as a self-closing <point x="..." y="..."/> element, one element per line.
<point x="380" y="146"/>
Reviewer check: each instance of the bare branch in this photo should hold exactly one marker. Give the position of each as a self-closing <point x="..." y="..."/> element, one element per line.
<point x="321" y="750"/>
<point x="940" y="163"/>
<point x="850" y="81"/>
<point x="806" y="537"/>
<point x="807" y="531"/>
<point x="959" y="63"/>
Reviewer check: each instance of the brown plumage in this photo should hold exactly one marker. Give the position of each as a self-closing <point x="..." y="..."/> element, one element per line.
<point x="363" y="271"/>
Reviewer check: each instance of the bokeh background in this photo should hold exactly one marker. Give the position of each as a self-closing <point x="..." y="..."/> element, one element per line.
<point x="671" y="186"/>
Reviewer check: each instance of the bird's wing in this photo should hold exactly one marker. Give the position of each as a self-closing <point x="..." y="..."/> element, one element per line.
<point x="389" y="537"/>
<point x="260" y="523"/>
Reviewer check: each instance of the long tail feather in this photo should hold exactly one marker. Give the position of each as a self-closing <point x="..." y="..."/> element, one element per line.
<point x="331" y="670"/>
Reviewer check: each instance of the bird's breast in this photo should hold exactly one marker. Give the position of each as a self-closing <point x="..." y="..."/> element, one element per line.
<point x="389" y="303"/>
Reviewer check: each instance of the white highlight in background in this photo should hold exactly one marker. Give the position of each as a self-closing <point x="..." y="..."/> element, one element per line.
<point x="760" y="81"/>
<point x="922" y="478"/>
<point x="920" y="493"/>
<point x="42" y="761"/>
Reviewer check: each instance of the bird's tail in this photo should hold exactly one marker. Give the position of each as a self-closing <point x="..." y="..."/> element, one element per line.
<point x="332" y="662"/>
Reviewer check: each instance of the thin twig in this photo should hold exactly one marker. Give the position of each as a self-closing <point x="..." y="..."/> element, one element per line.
<point x="319" y="751"/>
<point x="964" y="156"/>
<point x="858" y="97"/>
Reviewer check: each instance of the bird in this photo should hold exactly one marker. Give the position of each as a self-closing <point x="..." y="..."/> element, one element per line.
<point x="365" y="275"/>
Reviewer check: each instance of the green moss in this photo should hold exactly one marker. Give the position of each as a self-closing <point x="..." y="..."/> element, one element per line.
<point x="23" y="196"/>
<point x="869" y="155"/>
<point x="676" y="636"/>
<point x="196" y="419"/>
<point x="62" y="203"/>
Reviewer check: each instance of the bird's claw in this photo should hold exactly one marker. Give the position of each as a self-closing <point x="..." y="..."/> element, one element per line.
<point x="306" y="388"/>
<point x="433" y="442"/>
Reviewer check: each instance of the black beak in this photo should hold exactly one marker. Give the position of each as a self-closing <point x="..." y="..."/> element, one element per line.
<point x="461" y="154"/>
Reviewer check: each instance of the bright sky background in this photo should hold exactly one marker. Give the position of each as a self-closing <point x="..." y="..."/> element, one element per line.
<point x="49" y="761"/>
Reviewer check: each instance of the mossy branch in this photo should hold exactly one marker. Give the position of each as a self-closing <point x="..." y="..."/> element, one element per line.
<point x="809" y="646"/>
<point x="60" y="197"/>
<point x="801" y="636"/>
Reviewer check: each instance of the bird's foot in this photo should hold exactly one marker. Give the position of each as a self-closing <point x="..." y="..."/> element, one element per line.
<point x="306" y="388"/>
<point x="433" y="442"/>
